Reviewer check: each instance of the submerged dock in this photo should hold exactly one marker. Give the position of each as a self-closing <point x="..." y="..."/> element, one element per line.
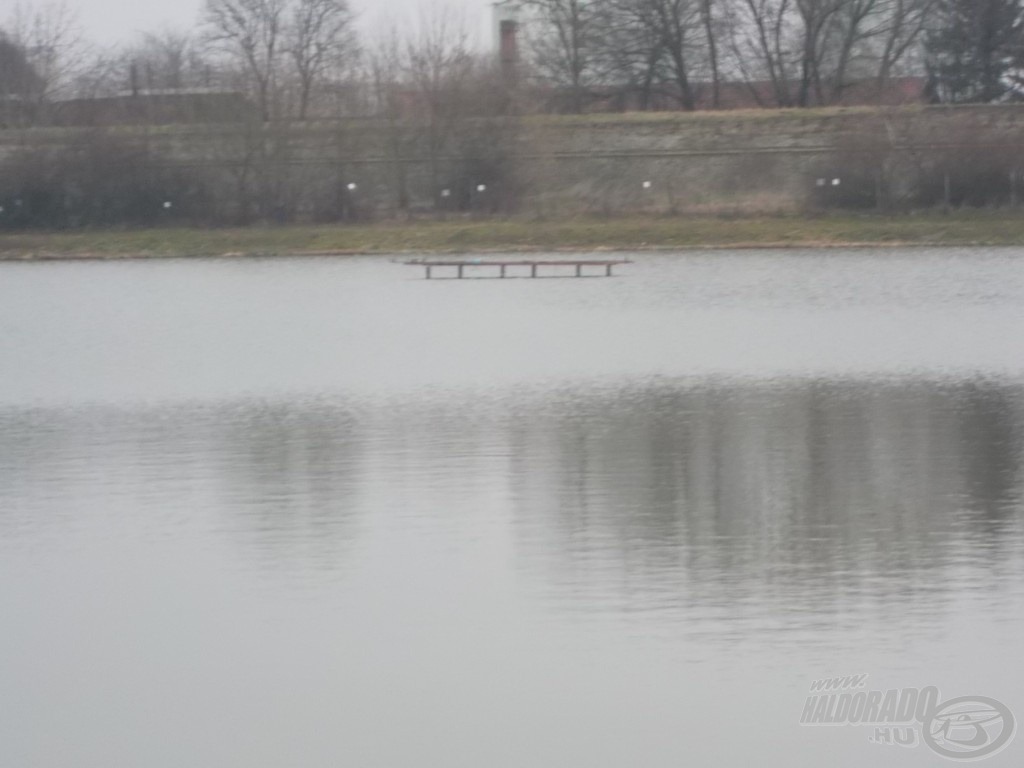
<point x="518" y="268"/>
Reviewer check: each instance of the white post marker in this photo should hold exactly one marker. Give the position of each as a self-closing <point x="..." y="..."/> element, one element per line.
<point x="647" y="185"/>
<point x="481" y="187"/>
<point x="835" y="182"/>
<point x="167" y="204"/>
<point x="446" y="193"/>
<point x="352" y="186"/>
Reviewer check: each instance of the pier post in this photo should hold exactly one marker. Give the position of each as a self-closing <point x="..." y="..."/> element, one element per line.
<point x="579" y="270"/>
<point x="608" y="270"/>
<point x="428" y="271"/>
<point x="502" y="270"/>
<point x="533" y="270"/>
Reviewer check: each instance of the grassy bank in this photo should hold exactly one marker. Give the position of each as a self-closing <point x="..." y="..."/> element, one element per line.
<point x="455" y="236"/>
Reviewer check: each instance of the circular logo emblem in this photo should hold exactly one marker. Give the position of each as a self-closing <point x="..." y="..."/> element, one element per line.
<point x="969" y="728"/>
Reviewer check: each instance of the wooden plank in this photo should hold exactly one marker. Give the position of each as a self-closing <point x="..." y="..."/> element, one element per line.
<point x="561" y="262"/>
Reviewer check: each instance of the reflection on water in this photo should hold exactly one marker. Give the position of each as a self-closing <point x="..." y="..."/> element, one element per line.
<point x="753" y="506"/>
<point x="282" y="479"/>
<point x="776" y="506"/>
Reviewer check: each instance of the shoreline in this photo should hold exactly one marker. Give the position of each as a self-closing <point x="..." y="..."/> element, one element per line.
<point x="978" y="229"/>
<point x="792" y="246"/>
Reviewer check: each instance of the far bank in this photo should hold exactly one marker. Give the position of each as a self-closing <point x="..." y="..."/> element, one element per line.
<point x="971" y="228"/>
<point x="737" y="163"/>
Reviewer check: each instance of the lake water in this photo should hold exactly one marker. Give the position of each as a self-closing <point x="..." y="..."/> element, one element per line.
<point x="322" y="512"/>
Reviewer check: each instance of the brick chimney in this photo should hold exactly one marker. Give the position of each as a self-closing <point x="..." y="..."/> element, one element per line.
<point x="506" y="36"/>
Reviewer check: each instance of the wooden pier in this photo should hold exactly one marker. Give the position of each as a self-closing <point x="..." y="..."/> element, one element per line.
<point x="485" y="268"/>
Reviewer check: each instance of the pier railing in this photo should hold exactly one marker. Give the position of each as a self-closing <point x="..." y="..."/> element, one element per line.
<point x="514" y="268"/>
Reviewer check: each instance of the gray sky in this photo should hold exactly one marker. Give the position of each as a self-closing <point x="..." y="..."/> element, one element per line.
<point x="112" y="21"/>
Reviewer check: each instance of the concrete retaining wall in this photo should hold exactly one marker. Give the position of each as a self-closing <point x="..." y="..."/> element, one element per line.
<point x="712" y="162"/>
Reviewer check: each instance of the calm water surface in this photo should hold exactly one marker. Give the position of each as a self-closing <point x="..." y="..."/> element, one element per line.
<point x="325" y="513"/>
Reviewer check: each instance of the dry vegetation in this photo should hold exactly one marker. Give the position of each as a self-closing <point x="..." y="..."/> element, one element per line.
<point x="463" y="236"/>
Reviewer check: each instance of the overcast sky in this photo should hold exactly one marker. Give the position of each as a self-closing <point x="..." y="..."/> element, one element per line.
<point x="112" y="21"/>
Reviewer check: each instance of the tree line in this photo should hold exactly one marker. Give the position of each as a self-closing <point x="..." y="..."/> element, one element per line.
<point x="790" y="53"/>
<point x="303" y="59"/>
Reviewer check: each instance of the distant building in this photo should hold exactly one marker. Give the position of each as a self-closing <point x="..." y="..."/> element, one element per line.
<point x="897" y="91"/>
<point x="155" y="107"/>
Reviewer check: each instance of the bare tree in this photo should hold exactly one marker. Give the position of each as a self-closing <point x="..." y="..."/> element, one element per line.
<point x="761" y="33"/>
<point x="810" y="51"/>
<point x="102" y="76"/>
<point x="50" y="40"/>
<point x="854" y="25"/>
<point x="902" y="30"/>
<point x="674" y="42"/>
<point x="816" y="17"/>
<point x="708" y="20"/>
<point x="251" y="31"/>
<point x="678" y="21"/>
<point x="565" y="44"/>
<point x="631" y="48"/>
<point x="320" y="36"/>
<point x="169" y="59"/>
